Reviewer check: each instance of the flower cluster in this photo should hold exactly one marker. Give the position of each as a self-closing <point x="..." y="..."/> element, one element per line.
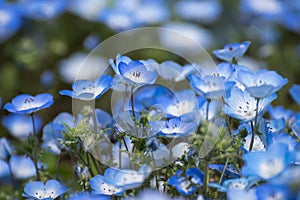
<point x="218" y="138"/>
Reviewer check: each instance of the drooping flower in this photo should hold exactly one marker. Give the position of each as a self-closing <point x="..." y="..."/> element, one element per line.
<point x="27" y="104"/>
<point x="261" y="83"/>
<point x="232" y="51"/>
<point x="20" y="126"/>
<point x="241" y="105"/>
<point x="39" y="191"/>
<point x="295" y="93"/>
<point x="188" y="182"/>
<point x="267" y="164"/>
<point x="89" y="90"/>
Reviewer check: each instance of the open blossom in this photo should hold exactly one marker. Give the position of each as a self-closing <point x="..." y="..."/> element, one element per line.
<point x="232" y="51"/>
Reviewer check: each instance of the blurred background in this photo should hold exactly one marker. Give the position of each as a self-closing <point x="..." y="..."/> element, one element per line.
<point x="43" y="42"/>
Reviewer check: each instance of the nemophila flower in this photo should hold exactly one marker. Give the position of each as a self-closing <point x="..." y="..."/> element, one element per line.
<point x="232" y="51"/>
<point x="89" y="90"/>
<point x="276" y="125"/>
<point x="230" y="170"/>
<point x="88" y="196"/>
<point x="47" y="78"/>
<point x="242" y="194"/>
<point x="10" y="21"/>
<point x="22" y="167"/>
<point x="175" y="127"/>
<point x="189" y="10"/>
<point x="89" y="9"/>
<point x="38" y="190"/>
<point x="241" y="105"/>
<point x="53" y="132"/>
<point x="20" y="126"/>
<point x="27" y="104"/>
<point x="101" y="187"/>
<point x="289" y="176"/>
<point x="135" y="72"/>
<point x="126" y="179"/>
<point x="284" y="138"/>
<point x="5" y="149"/>
<point x="4" y="172"/>
<point x="187" y="182"/>
<point x="235" y="184"/>
<point x="91" y="41"/>
<point x="273" y="192"/>
<point x="42" y="9"/>
<point x="267" y="164"/>
<point x="261" y="83"/>
<point x="295" y="93"/>
<point x="280" y="112"/>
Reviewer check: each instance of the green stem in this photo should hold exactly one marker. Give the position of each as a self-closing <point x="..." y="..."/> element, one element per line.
<point x="206" y="177"/>
<point x="155" y="172"/>
<point x="223" y="172"/>
<point x="252" y="137"/>
<point x="35" y="148"/>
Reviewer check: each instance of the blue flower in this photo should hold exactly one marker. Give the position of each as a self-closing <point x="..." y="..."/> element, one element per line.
<point x="283" y="138"/>
<point x="53" y="132"/>
<point x="262" y="83"/>
<point x="232" y="51"/>
<point x="20" y="126"/>
<point x="89" y="90"/>
<point x="295" y="92"/>
<point x="136" y="73"/>
<point x="268" y="164"/>
<point x="88" y="196"/>
<point x="5" y="149"/>
<point x="241" y="105"/>
<point x="22" y="167"/>
<point x="101" y="187"/>
<point x="296" y="128"/>
<point x="236" y="184"/>
<point x="188" y="182"/>
<point x="272" y="191"/>
<point x="242" y="194"/>
<point x="152" y="194"/>
<point x="42" y="9"/>
<point x="27" y="104"/>
<point x="279" y="112"/>
<point x="4" y="172"/>
<point x="213" y="107"/>
<point x="175" y="127"/>
<point x="230" y="171"/>
<point x="10" y="21"/>
<point x="38" y="190"/>
<point x="78" y="7"/>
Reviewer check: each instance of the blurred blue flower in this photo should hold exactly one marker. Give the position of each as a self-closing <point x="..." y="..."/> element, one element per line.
<point x="47" y="78"/>
<point x="235" y="184"/>
<point x="101" y="187"/>
<point x="53" y="132"/>
<point x="10" y="21"/>
<point x="5" y="149"/>
<point x="4" y="172"/>
<point x="296" y="128"/>
<point x="88" y="9"/>
<point x="38" y="190"/>
<point x="150" y="195"/>
<point x="295" y="92"/>
<point x="188" y="182"/>
<point x="89" y="90"/>
<point x="22" y="167"/>
<point x="135" y="72"/>
<point x="27" y="104"/>
<point x="189" y="10"/>
<point x="176" y="128"/>
<point x="20" y="126"/>
<point x="272" y="191"/>
<point x="262" y="83"/>
<point x="289" y="176"/>
<point x="241" y="105"/>
<point x="88" y="196"/>
<point x="284" y="138"/>
<point x="42" y="9"/>
<point x="267" y="164"/>
<point x="276" y="125"/>
<point x="232" y="51"/>
<point x="279" y="112"/>
<point x="91" y="41"/>
<point x="242" y="194"/>
<point x="230" y="171"/>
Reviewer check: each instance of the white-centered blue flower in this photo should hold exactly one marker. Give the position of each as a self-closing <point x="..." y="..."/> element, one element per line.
<point x="267" y="164"/>
<point x="89" y="90"/>
<point x="177" y="128"/>
<point x="27" y="104"/>
<point x="232" y="51"/>
<point x="241" y="105"/>
<point x="37" y="190"/>
<point x="261" y="83"/>
<point x="101" y="187"/>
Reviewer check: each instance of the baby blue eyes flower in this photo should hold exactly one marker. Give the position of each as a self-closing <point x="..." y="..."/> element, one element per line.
<point x="22" y="167"/>
<point x="188" y="182"/>
<point x="37" y="190"/>
<point x="177" y="128"/>
<point x="267" y="164"/>
<point x="295" y="92"/>
<point x="232" y="51"/>
<point x="88" y="196"/>
<point x="27" y="104"/>
<point x="5" y="149"/>
<point x="89" y="90"/>
<point x="241" y="105"/>
<point x="262" y="83"/>
<point x="235" y="184"/>
<point x="136" y="73"/>
<point x="273" y="192"/>
<point x="101" y="187"/>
